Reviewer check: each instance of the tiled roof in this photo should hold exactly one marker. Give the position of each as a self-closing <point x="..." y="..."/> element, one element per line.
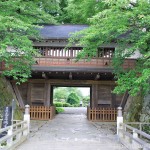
<point x="59" y="31"/>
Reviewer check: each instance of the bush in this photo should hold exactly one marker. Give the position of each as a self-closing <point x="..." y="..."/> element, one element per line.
<point x="58" y="104"/>
<point x="76" y="105"/>
<point x="61" y="104"/>
<point x="66" y="105"/>
<point x="59" y="110"/>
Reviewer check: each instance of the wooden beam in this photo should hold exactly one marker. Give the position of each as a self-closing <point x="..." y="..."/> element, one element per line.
<point x="61" y="67"/>
<point x="73" y="82"/>
<point x="18" y="95"/>
<point x="78" y="82"/>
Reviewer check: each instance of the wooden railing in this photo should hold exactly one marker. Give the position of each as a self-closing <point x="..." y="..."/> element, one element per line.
<point x="96" y="62"/>
<point x="71" y="52"/>
<point x="133" y="138"/>
<point x="42" y="112"/>
<point x="102" y="114"/>
<point x="13" y="135"/>
<point x="142" y="126"/>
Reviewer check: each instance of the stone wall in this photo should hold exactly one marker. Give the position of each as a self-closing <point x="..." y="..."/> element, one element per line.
<point x="137" y="109"/>
<point x="6" y="96"/>
<point x="145" y="115"/>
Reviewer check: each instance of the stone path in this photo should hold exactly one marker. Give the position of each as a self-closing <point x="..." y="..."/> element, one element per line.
<point x="71" y="131"/>
<point x="75" y="110"/>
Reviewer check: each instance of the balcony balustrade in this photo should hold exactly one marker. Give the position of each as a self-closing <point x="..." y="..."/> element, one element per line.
<point x="52" y="57"/>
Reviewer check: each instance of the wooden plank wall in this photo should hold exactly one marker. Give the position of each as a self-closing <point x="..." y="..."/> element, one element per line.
<point x="38" y="94"/>
<point x="34" y="93"/>
<point x="102" y="96"/>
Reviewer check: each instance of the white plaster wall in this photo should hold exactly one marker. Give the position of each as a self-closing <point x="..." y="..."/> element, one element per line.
<point x="135" y="55"/>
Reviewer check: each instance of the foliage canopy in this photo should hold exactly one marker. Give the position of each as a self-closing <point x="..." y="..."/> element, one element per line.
<point x="127" y="24"/>
<point x="18" y="20"/>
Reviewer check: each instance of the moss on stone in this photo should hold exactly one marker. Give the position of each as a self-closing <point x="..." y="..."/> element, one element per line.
<point x="134" y="110"/>
<point x="6" y="96"/>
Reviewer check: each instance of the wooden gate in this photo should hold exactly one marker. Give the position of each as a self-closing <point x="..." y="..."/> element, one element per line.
<point x="102" y="114"/>
<point x="42" y="112"/>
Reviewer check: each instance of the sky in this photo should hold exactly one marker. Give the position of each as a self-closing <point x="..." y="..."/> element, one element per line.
<point x="85" y="91"/>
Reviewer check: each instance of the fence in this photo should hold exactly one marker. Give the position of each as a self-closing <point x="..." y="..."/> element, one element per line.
<point x="42" y="112"/>
<point x="14" y="135"/>
<point x="102" y="114"/>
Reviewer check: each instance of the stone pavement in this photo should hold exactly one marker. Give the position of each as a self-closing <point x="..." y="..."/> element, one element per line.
<point x="71" y="131"/>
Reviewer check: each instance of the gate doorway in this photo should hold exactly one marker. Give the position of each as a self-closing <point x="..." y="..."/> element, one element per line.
<point x="39" y="94"/>
<point x="71" y="99"/>
<point x="71" y="96"/>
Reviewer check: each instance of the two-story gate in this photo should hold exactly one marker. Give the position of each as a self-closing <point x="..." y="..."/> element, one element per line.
<point x="57" y="66"/>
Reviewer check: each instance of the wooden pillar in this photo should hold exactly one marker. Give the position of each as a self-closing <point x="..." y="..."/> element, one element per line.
<point x="51" y="95"/>
<point x="94" y="95"/>
<point x="29" y="93"/>
<point x="90" y="96"/>
<point x="113" y="98"/>
<point x="47" y="94"/>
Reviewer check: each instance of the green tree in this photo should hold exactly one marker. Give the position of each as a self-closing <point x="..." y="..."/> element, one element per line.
<point x="18" y="20"/>
<point x="75" y="90"/>
<point x="127" y="23"/>
<point x="61" y="93"/>
<point x="77" y="11"/>
<point x="86" y="100"/>
<point x="73" y="99"/>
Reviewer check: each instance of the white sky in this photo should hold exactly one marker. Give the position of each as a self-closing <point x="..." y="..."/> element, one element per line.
<point x="85" y="91"/>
